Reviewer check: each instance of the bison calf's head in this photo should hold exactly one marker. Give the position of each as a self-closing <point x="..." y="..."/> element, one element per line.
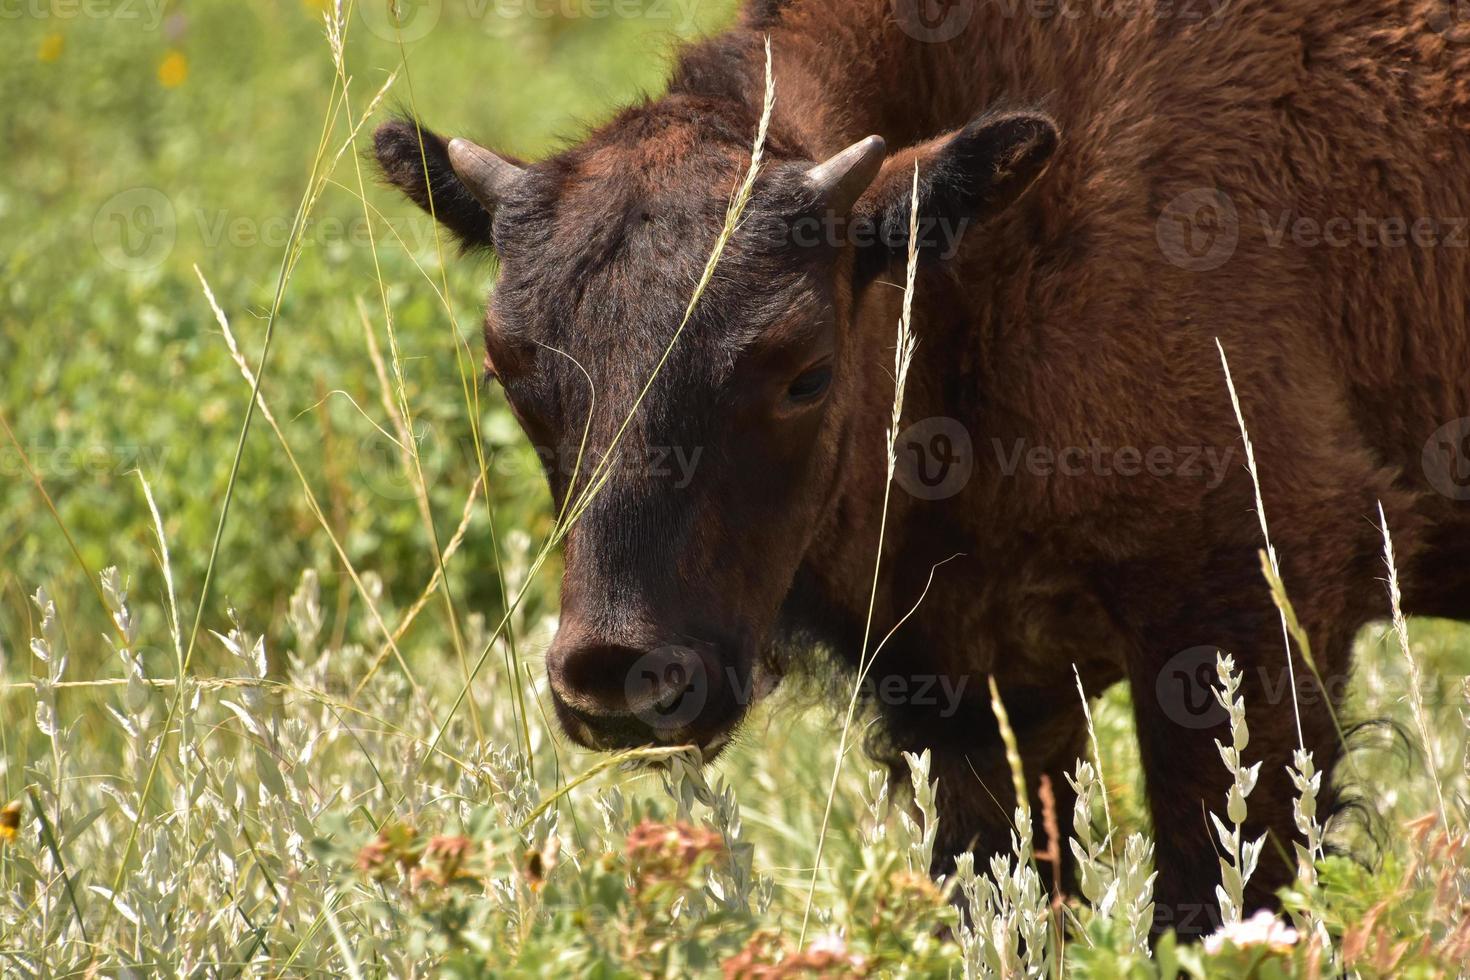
<point x="694" y="456"/>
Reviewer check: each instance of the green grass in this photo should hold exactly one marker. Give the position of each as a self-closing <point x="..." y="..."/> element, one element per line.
<point x="276" y="813"/>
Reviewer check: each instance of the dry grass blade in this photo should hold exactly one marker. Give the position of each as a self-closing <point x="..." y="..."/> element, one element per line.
<point x="736" y="209"/>
<point x="168" y="573"/>
<point x="1097" y="758"/>
<point x="428" y="592"/>
<point x="1013" y="747"/>
<point x="403" y="413"/>
<point x="1275" y="568"/>
<point x="599" y="477"/>
<point x="1416" y="693"/>
<point x="902" y="357"/>
<point x="645" y="754"/>
<point x="289" y="257"/>
<point x="400" y="414"/>
<point x="311" y="502"/>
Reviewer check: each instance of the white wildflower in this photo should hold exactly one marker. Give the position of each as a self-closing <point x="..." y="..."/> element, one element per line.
<point x="1262" y="930"/>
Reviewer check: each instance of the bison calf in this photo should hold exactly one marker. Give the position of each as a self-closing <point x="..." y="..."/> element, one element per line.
<point x="1102" y="193"/>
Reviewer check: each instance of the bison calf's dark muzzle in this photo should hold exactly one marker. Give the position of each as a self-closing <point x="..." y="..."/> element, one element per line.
<point x="614" y="695"/>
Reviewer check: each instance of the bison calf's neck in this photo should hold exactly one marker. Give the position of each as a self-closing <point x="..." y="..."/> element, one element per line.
<point x="1100" y="199"/>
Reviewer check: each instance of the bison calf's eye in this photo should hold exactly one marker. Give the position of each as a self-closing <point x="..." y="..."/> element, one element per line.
<point x="810" y="385"/>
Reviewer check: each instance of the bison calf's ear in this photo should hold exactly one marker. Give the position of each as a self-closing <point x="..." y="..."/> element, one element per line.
<point x="966" y="178"/>
<point x="454" y="180"/>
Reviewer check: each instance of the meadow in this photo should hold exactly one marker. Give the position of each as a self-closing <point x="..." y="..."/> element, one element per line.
<point x="277" y="582"/>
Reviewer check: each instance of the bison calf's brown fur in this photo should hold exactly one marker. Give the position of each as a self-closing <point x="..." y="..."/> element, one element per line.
<point x="1101" y="197"/>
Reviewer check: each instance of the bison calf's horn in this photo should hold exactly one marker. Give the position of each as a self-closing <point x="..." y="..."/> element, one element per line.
<point x="485" y="173"/>
<point x="841" y="179"/>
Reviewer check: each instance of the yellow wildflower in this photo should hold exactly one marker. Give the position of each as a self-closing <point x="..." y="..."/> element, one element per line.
<point x="51" y="47"/>
<point x="9" y="821"/>
<point x="173" y="71"/>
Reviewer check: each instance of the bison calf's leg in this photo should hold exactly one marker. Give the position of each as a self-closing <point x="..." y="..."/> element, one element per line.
<point x="1179" y="722"/>
<point x="976" y="798"/>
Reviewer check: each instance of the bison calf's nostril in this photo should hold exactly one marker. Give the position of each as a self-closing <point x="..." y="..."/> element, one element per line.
<point x="629" y="695"/>
<point x="589" y="677"/>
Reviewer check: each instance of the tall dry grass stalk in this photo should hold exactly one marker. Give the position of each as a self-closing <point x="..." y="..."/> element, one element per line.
<point x="1013" y="754"/>
<point x="166" y="566"/>
<point x="1302" y="770"/>
<point x="253" y="380"/>
<point x="902" y="357"/>
<point x="1274" y="575"/>
<point x="323" y="162"/>
<point x="597" y="479"/>
<point x="733" y="214"/>
<point x="1097" y="760"/>
<point x="401" y="410"/>
<point x="1416" y="693"/>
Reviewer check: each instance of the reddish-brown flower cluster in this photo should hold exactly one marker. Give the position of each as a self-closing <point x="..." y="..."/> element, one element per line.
<point x="396" y="846"/>
<point x="445" y="859"/>
<point x="906" y="892"/>
<point x="1437" y="859"/>
<point x="768" y="956"/>
<point x="669" y="852"/>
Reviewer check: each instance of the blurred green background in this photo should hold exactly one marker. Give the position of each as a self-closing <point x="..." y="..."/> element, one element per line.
<point x="145" y="137"/>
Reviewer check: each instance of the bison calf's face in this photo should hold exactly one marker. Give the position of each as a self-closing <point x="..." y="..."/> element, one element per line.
<point x="691" y="456"/>
<point x="693" y="452"/>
